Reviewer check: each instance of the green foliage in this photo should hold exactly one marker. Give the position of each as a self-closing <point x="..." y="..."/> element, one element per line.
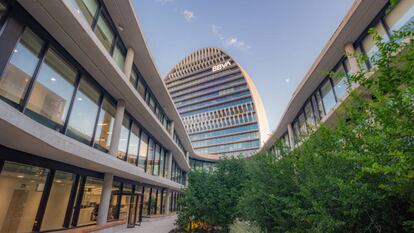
<point x="356" y="177"/>
<point x="211" y="198"/>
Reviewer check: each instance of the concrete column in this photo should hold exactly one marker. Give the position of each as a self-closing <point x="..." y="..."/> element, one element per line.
<point x="105" y="199"/>
<point x="129" y="62"/>
<point x="187" y="156"/>
<point x="291" y="136"/>
<point x="353" y="62"/>
<point x="116" y="130"/>
<point x="167" y="202"/>
<point x="169" y="165"/>
<point x="172" y="128"/>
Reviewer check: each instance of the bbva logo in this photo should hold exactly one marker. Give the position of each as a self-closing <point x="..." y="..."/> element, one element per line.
<point x="221" y="66"/>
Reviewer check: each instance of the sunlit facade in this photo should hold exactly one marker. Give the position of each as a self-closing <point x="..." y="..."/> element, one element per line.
<point x="319" y="96"/>
<point x="218" y="103"/>
<point x="88" y="139"/>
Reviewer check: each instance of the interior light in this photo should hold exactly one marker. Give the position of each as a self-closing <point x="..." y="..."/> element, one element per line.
<point x="15" y="50"/>
<point x="53" y="79"/>
<point x="58" y="181"/>
<point x="20" y="176"/>
<point x="121" y="28"/>
<point x="80" y="99"/>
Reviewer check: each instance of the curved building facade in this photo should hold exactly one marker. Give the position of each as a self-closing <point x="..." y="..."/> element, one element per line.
<point x="318" y="97"/>
<point x="89" y="135"/>
<point x="218" y="104"/>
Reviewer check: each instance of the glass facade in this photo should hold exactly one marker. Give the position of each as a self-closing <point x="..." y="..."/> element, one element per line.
<point x="84" y="112"/>
<point x="21" y="188"/>
<point x="21" y="68"/>
<point x="334" y="88"/>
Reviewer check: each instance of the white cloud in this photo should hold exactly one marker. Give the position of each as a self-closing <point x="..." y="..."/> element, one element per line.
<point x="229" y="41"/>
<point x="188" y="15"/>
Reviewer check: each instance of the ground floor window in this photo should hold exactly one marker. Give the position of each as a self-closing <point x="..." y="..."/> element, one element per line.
<point x="43" y="198"/>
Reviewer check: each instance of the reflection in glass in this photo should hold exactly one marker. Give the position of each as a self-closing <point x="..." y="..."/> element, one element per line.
<point x="113" y="203"/>
<point x="339" y="82"/>
<point x="150" y="158"/>
<point x="90" y="201"/>
<point x="53" y="90"/>
<point x="104" y="32"/>
<point x="21" y="188"/>
<point x="133" y="144"/>
<point x="105" y="125"/>
<point x="402" y="14"/>
<point x="125" y="201"/>
<point x="87" y="8"/>
<point x="119" y="57"/>
<point x="83" y="115"/>
<point x="141" y="87"/>
<point x="310" y="120"/>
<point x="157" y="160"/>
<point x="162" y="162"/>
<point x="146" y="204"/>
<point x="21" y="67"/>
<point x="123" y="139"/>
<point x="328" y="97"/>
<point x="58" y="201"/>
<point x="143" y="151"/>
<point x="133" y="78"/>
<point x="3" y="9"/>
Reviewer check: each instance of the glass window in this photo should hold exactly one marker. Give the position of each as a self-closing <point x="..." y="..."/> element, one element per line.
<point x="125" y="201"/>
<point x="143" y="151"/>
<point x="113" y="203"/>
<point x="158" y="211"/>
<point x="339" y="82"/>
<point x="104" y="33"/>
<point x="21" y="188"/>
<point x="123" y="139"/>
<point x="19" y="71"/>
<point x="83" y="116"/>
<point x="133" y="78"/>
<point x="152" y="103"/>
<point x="153" y="203"/>
<point x="162" y="162"/>
<point x="146" y="204"/>
<point x="328" y="97"/>
<point x="302" y="124"/>
<point x="157" y="160"/>
<point x="3" y="10"/>
<point x="58" y="200"/>
<point x="401" y="15"/>
<point x="90" y="201"/>
<point x="105" y="125"/>
<point x="53" y="90"/>
<point x="141" y="87"/>
<point x="310" y="119"/>
<point x="296" y="130"/>
<point x="119" y="57"/>
<point x="150" y="158"/>
<point x="368" y="42"/>
<point x="133" y="144"/>
<point x="88" y="8"/>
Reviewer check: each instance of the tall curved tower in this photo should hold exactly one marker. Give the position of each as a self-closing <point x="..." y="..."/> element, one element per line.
<point x="218" y="104"/>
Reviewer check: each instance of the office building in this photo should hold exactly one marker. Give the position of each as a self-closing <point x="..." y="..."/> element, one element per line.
<point x="218" y="104"/>
<point x="89" y="134"/>
<point x="318" y="96"/>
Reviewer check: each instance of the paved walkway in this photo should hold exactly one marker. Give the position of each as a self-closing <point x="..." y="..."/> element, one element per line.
<point x="163" y="225"/>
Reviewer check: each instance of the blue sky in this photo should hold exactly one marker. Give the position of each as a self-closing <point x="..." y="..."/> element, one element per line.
<point x="276" y="41"/>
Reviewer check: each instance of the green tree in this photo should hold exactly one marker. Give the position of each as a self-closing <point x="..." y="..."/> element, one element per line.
<point x="210" y="200"/>
<point x="355" y="177"/>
